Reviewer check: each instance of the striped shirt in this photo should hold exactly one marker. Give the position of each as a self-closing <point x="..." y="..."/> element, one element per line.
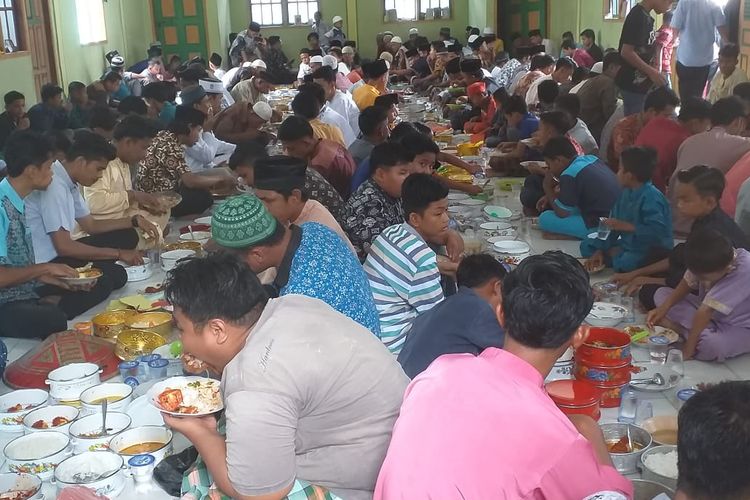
<point x="404" y="279"/>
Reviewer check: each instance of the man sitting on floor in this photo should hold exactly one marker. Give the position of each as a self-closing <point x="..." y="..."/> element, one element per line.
<point x="543" y="453"/>
<point x="113" y="195"/>
<point x="376" y="204"/>
<point x="309" y="259"/>
<point x="401" y="267"/>
<point x="463" y="323"/>
<point x="587" y="191"/>
<point x="52" y="215"/>
<point x="280" y="185"/>
<point x="27" y="309"/>
<point x="329" y="158"/>
<point x="376" y="76"/>
<point x="310" y="396"/>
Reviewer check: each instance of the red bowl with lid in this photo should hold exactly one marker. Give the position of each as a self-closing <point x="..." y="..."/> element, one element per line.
<point x="575" y="397"/>
<point x="605" y="347"/>
<point x="604" y="376"/>
<point x="610" y="395"/>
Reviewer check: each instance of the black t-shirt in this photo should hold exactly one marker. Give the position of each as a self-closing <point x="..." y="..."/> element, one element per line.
<point x="596" y="53"/>
<point x="421" y="67"/>
<point x="637" y="31"/>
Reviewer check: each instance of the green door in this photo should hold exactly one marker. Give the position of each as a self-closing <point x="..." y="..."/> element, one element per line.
<point x="180" y="26"/>
<point x="522" y="16"/>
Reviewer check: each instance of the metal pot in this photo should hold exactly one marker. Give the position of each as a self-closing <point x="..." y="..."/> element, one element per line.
<point x="68" y="382"/>
<point x="648" y="490"/>
<point x="626" y="463"/>
<point x="650" y="475"/>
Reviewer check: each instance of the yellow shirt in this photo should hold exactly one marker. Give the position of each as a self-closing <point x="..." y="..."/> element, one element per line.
<point x="365" y="95"/>
<point x="722" y="87"/>
<point x="326" y="131"/>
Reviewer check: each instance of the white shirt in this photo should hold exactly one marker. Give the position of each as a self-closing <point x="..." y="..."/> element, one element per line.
<point x="304" y="70"/>
<point x="580" y="132"/>
<point x="229" y="76"/>
<point x="579" y="86"/>
<point x="207" y="152"/>
<point x="532" y="96"/>
<point x="516" y="80"/>
<point x="219" y="73"/>
<point x="343" y="104"/>
<point x="343" y="68"/>
<point x="329" y="116"/>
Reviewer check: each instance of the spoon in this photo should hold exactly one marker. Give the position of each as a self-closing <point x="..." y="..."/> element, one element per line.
<point x="630" y="440"/>
<point x="104" y="417"/>
<point x="190" y="228"/>
<point x="657" y="379"/>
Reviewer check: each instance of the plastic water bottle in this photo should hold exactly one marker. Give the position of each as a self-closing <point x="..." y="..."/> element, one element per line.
<point x="628" y="406"/>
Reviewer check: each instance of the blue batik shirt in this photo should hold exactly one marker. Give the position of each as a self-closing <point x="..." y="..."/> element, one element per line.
<point x="16" y="249"/>
<point x="323" y="267"/>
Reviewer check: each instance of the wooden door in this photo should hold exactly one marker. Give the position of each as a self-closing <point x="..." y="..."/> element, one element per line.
<point x="180" y="25"/>
<point x="521" y="16"/>
<point x="38" y="22"/>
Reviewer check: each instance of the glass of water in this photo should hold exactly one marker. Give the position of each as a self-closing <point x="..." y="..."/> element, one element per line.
<point x="675" y="362"/>
<point x="658" y="347"/>
<point x="604" y="230"/>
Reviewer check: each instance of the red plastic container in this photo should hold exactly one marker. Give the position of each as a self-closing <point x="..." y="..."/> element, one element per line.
<point x="575" y="397"/>
<point x="611" y="395"/>
<point x="614" y="352"/>
<point x="605" y="376"/>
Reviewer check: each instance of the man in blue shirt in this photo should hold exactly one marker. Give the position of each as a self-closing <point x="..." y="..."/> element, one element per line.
<point x="579" y="190"/>
<point x="463" y="323"/>
<point x="34" y="302"/>
<point x="309" y="259"/>
<point x="49" y="114"/>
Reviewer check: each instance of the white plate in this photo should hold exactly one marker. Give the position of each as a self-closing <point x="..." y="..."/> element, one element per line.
<point x="456" y="197"/>
<point x="137" y="273"/>
<point x="495" y="226"/>
<point x="142" y="412"/>
<point x="512" y="247"/>
<point x="504" y="236"/>
<point x="203" y="220"/>
<point x="179" y="383"/>
<point x="201" y="236"/>
<point x="648" y="370"/>
<point x="498" y="212"/>
<point x="608" y="310"/>
<point x="471" y="202"/>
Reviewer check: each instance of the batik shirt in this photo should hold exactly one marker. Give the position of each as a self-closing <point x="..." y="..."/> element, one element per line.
<point x="324" y="268"/>
<point x="16" y="248"/>
<point x="164" y="164"/>
<point x="367" y="213"/>
<point x="320" y="190"/>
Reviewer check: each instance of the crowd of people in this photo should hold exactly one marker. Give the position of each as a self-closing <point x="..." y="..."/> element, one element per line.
<point x="338" y="276"/>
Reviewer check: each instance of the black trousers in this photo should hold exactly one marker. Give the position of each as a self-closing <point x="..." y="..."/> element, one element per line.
<point x="692" y="80"/>
<point x="532" y="191"/>
<point x="194" y="201"/>
<point x="29" y="319"/>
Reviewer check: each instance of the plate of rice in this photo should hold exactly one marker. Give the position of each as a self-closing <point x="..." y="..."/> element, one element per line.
<point x="187" y="396"/>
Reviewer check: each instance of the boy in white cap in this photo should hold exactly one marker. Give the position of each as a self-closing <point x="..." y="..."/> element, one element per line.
<point x="337" y="33"/>
<point x="218" y="95"/>
<point x="316" y="62"/>
<point x="399" y="53"/>
<point x="330" y="61"/>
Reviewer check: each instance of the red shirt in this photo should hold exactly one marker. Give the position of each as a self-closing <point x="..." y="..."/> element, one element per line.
<point x="665" y="136"/>
<point x="333" y="161"/>
<point x="665" y="38"/>
<point x="485" y="121"/>
<point x="583" y="58"/>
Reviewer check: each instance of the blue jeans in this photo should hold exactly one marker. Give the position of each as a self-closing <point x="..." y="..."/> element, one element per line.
<point x="632" y="102"/>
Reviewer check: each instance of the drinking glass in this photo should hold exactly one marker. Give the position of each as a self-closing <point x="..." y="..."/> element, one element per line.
<point x="604" y="230"/>
<point x="658" y="346"/>
<point x="644" y="411"/>
<point x="675" y="362"/>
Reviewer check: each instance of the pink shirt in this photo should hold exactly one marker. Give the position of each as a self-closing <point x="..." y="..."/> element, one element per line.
<point x="738" y="174"/>
<point x="314" y="211"/>
<point x="483" y="428"/>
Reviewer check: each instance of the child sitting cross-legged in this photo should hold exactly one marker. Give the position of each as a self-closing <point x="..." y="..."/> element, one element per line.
<point x="716" y="322"/>
<point x="640" y="221"/>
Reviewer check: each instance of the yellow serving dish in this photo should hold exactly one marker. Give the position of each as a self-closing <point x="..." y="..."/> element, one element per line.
<point x="157" y="321"/>
<point x="133" y="343"/>
<point x="109" y="324"/>
<point x="184" y="245"/>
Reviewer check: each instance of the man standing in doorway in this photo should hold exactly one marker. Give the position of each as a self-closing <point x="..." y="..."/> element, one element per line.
<point x="695" y="23"/>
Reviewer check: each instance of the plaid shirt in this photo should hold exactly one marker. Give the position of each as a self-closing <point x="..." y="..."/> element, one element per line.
<point x="368" y="212"/>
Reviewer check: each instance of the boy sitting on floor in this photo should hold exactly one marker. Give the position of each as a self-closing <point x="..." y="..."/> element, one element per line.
<point x="401" y="267"/>
<point x="716" y="322"/>
<point x="698" y="193"/>
<point x="587" y="190"/>
<point x="640" y="221"/>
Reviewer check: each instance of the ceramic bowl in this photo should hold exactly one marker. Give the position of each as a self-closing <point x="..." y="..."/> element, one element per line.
<point x="200" y="236"/>
<point x="109" y="324"/>
<point x="15" y="405"/>
<point x="68" y="382"/>
<point x="85" y="432"/>
<point x="511" y="252"/>
<point x="99" y="471"/>
<point x="170" y="259"/>
<point x="626" y="463"/>
<point x="203" y="220"/>
<point x="497" y="213"/>
<point x="157" y="321"/>
<point x="47" y="415"/>
<point x="137" y="272"/>
<point x="144" y="434"/>
<point x="37" y="453"/>
<point x="29" y="484"/>
<point x="606" y="314"/>
<point x="119" y="397"/>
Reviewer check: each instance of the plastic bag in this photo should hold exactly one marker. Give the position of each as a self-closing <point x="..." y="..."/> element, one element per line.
<point x="168" y="474"/>
<point x="79" y="493"/>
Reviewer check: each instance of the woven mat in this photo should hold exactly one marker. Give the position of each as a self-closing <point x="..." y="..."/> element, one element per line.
<point x="31" y="370"/>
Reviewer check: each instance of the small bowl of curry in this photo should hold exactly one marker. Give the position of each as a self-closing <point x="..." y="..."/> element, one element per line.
<point x="118" y="396"/>
<point x="626" y="451"/>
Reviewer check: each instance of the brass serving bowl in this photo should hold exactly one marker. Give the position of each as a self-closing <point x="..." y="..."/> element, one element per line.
<point x="184" y="245"/>
<point x="133" y="343"/>
<point x="109" y="324"/>
<point x="156" y="321"/>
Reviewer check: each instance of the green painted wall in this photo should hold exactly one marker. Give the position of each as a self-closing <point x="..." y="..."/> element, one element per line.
<point x="482" y="13"/>
<point x="129" y="30"/>
<point x="17" y="75"/>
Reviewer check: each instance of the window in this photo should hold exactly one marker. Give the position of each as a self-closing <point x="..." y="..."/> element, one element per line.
<point x="416" y="10"/>
<point x="283" y="12"/>
<point x="9" y="26"/>
<point x="91" y="25"/>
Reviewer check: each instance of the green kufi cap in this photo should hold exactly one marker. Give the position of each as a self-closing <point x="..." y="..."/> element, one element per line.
<point x="242" y="221"/>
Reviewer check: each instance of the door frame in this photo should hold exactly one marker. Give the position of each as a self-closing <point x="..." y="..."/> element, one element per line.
<point x="50" y="49"/>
